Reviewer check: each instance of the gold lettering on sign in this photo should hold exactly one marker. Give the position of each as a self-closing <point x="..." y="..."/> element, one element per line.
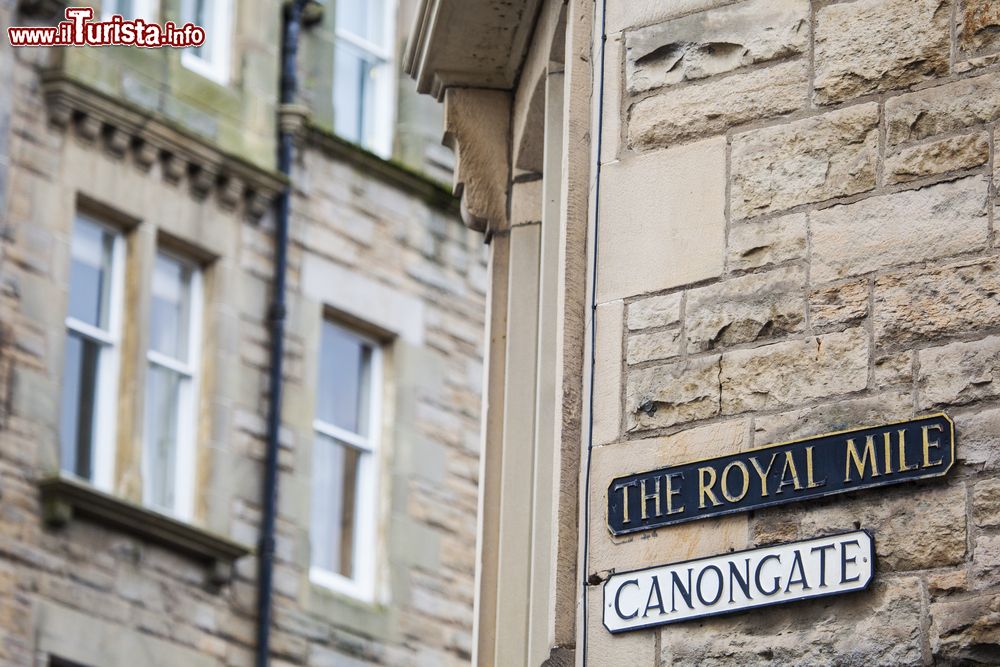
<point x="703" y="490"/>
<point x="654" y="496"/>
<point x="860" y="461"/>
<point x="625" y="488"/>
<point x="725" y="481"/>
<point x="902" y="452"/>
<point x="928" y="445"/>
<point x="763" y="473"/>
<point x="789" y="466"/>
<point x="810" y="482"/>
<point x="671" y="492"/>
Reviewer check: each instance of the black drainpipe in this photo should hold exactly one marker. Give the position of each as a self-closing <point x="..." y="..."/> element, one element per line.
<point x="276" y="318"/>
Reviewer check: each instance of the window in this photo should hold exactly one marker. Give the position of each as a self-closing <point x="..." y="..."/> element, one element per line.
<point x="90" y="362"/>
<point x="211" y="59"/>
<point x="171" y="385"/>
<point x="129" y="9"/>
<point x="364" y="74"/>
<point x="345" y="455"/>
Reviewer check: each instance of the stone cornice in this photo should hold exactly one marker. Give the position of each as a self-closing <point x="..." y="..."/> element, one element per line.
<point x="126" y="129"/>
<point x="65" y="497"/>
<point x="392" y="173"/>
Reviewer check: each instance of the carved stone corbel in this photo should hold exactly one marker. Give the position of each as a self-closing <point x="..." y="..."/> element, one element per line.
<point x="477" y="127"/>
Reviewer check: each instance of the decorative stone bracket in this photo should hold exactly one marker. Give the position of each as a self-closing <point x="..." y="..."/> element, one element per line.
<point x="477" y="129"/>
<point x="63" y="498"/>
<point x="126" y="130"/>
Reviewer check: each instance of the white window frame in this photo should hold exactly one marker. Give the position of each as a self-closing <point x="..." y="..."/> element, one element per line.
<point x="218" y="43"/>
<point x="385" y="93"/>
<point x="147" y="10"/>
<point x="187" y="408"/>
<point x="109" y="361"/>
<point x="366" y="519"/>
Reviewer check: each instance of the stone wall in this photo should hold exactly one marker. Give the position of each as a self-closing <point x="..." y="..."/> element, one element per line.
<point x="100" y="596"/>
<point x="808" y="190"/>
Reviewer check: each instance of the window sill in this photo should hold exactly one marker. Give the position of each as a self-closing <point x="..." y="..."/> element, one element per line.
<point x="64" y="497"/>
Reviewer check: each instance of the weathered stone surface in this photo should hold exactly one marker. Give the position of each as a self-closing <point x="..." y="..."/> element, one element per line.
<point x="947" y="582"/>
<point x="951" y="154"/>
<point x="926" y="304"/>
<point x="773" y="241"/>
<point x="980" y="438"/>
<point x="608" y="372"/>
<point x="870" y="46"/>
<point x="663" y="211"/>
<point x="709" y="43"/>
<point x="893" y="369"/>
<point x="959" y="373"/>
<point x="879" y="627"/>
<point x="653" y="346"/>
<point x="831" y="417"/>
<point x="978" y="27"/>
<point x="752" y="307"/>
<point x="872" y="234"/>
<point x="986" y="561"/>
<point x="810" y="160"/>
<point x="839" y="304"/>
<point x="712" y="107"/>
<point x="784" y="374"/>
<point x="605" y="648"/>
<point x="623" y="14"/>
<point x="915" y="530"/>
<point x="657" y="311"/>
<point x="675" y="543"/>
<point x="945" y="108"/>
<point x="965" y="630"/>
<point x="986" y="503"/>
<point x="673" y="393"/>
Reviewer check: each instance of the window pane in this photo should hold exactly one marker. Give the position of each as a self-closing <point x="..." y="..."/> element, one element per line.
<point x="78" y="402"/>
<point x="170" y="308"/>
<point x="363" y="18"/>
<point x="163" y="388"/>
<point x="334" y="505"/>
<point x="354" y="89"/>
<point x="344" y="379"/>
<point x="199" y="12"/>
<point x="123" y="7"/>
<point x="90" y="273"/>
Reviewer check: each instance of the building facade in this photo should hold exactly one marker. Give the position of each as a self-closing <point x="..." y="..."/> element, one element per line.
<point x="716" y="226"/>
<point x="137" y="271"/>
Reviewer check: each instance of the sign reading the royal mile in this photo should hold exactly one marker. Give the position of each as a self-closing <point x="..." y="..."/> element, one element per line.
<point x="783" y="473"/>
<point x="740" y="580"/>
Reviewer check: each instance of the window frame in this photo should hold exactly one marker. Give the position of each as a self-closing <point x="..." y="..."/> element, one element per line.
<point x="366" y="519"/>
<point x="218" y="43"/>
<point x="188" y="404"/>
<point x="148" y="10"/>
<point x="383" y="117"/>
<point x="105" y="426"/>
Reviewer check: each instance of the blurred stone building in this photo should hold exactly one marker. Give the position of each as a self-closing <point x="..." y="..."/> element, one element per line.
<point x="136" y="268"/>
<point x="715" y="226"/>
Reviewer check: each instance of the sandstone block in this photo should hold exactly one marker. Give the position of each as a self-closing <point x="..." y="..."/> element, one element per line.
<point x="959" y="373"/>
<point x="712" y="107"/>
<point x="978" y="27"/>
<point x="965" y="631"/>
<point x="773" y="241"/>
<point x="915" y="528"/>
<point x="945" y="583"/>
<point x="986" y="561"/>
<point x="830" y="417"/>
<point x="893" y="369"/>
<point x="952" y="154"/>
<point x="980" y="438"/>
<point x="839" y="304"/>
<point x="752" y="307"/>
<point x="608" y="371"/>
<point x="926" y="304"/>
<point x="622" y="14"/>
<point x="605" y="648"/>
<point x="871" y="46"/>
<point x="810" y="160"/>
<point x="945" y="108"/>
<point x="663" y="211"/>
<point x="986" y="503"/>
<point x="872" y="234"/>
<point x="653" y="346"/>
<point x="787" y="373"/>
<point x="673" y="393"/>
<point x="879" y="627"/>
<point x="709" y="43"/>
<point x="657" y="311"/>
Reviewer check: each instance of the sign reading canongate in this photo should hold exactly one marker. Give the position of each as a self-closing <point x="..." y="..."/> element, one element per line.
<point x="782" y="473"/>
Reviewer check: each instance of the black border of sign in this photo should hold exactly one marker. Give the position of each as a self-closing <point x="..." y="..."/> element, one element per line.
<point x="787" y="501"/>
<point x="871" y="537"/>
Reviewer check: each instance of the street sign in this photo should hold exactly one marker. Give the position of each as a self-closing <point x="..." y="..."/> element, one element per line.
<point x="776" y="474"/>
<point x="740" y="580"/>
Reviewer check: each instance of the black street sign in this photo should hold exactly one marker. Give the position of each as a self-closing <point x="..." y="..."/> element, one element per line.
<point x="788" y="472"/>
